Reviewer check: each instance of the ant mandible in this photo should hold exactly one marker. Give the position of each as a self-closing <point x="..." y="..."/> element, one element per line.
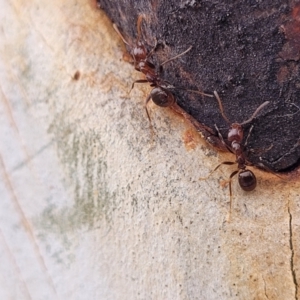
<point x="246" y="178"/>
<point x="160" y="94"/>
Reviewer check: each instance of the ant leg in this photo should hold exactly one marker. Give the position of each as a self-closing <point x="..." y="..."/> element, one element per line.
<point x="287" y="178"/>
<point x="148" y="114"/>
<point x="170" y="87"/>
<point x="246" y="142"/>
<point x="220" y="135"/>
<point x="230" y="192"/>
<point x="290" y="115"/>
<point x="221" y="107"/>
<point x="260" y="151"/>
<point x="138" y="81"/>
<point x="217" y="167"/>
<point x="146" y="103"/>
<point x="177" y="56"/>
<point x="222" y="139"/>
<point x="193" y="91"/>
<point x="153" y="49"/>
<point x="256" y="150"/>
<point x="201" y="93"/>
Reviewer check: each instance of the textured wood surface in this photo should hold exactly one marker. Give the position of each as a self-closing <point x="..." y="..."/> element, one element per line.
<point x="95" y="206"/>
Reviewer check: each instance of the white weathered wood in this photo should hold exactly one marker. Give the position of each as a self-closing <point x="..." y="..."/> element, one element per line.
<point x="95" y="207"/>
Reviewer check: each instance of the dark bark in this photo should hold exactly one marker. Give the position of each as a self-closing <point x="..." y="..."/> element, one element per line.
<point x="248" y="51"/>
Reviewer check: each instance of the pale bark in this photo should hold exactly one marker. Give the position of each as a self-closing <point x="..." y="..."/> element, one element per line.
<point x="95" y="206"/>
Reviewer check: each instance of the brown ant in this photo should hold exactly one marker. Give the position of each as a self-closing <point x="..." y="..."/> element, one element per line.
<point x="160" y="94"/>
<point x="246" y="178"/>
<point x="138" y="52"/>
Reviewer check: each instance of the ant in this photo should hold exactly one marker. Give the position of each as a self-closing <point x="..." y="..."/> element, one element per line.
<point x="246" y="178"/>
<point x="160" y="94"/>
<point x="138" y="52"/>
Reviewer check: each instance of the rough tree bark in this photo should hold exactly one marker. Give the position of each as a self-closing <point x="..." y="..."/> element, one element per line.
<point x="95" y="206"/>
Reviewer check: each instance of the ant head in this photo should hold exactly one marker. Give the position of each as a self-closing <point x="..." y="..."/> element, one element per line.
<point x="235" y="133"/>
<point x="247" y="180"/>
<point x="162" y="97"/>
<point x="139" y="51"/>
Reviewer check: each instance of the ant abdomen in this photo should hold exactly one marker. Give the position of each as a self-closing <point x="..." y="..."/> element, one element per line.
<point x="247" y="180"/>
<point x="162" y="97"/>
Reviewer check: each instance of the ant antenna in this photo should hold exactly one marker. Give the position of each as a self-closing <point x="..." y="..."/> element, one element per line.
<point x="221" y="107"/>
<point x="139" y="25"/>
<point x="256" y="112"/>
<point x="245" y="122"/>
<point x="175" y="57"/>
<point x="120" y="34"/>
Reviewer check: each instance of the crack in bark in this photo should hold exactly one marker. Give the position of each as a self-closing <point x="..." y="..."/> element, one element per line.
<point x="292" y="255"/>
<point x="297" y="144"/>
<point x="265" y="288"/>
